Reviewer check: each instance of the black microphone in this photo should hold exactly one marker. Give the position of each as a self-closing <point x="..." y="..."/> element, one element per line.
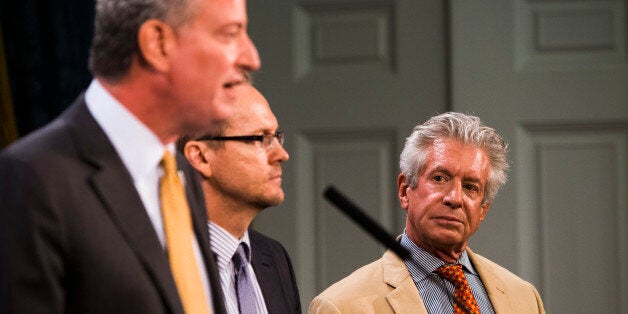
<point x="366" y="222"/>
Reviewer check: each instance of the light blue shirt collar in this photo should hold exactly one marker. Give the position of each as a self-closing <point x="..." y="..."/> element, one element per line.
<point x="224" y="244"/>
<point x="421" y="263"/>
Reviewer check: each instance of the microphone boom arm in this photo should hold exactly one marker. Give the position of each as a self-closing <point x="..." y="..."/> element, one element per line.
<point x="367" y="223"/>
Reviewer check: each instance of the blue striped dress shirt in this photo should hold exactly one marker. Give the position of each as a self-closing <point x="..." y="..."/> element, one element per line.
<point x="224" y="245"/>
<point x="438" y="293"/>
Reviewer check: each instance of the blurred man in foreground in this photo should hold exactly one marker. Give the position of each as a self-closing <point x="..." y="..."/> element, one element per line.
<point x="95" y="217"/>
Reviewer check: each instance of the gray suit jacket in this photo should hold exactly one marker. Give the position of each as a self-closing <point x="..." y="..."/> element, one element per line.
<point x="385" y="286"/>
<point x="75" y="237"/>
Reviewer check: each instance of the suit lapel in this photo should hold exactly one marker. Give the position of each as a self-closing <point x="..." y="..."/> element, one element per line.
<point x="494" y="286"/>
<point x="405" y="297"/>
<point x="114" y="186"/>
<point x="267" y="276"/>
<point x="196" y="202"/>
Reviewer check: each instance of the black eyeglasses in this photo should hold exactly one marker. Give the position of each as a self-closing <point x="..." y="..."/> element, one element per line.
<point x="266" y="139"/>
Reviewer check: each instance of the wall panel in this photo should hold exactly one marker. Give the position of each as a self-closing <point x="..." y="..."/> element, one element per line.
<point x="573" y="215"/>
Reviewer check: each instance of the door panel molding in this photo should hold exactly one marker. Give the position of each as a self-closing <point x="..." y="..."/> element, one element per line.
<point x="359" y="163"/>
<point x="553" y="35"/>
<point x="573" y="214"/>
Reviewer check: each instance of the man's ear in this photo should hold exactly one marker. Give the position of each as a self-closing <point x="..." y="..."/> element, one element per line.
<point x="156" y="40"/>
<point x="195" y="151"/>
<point x="402" y="192"/>
<point x="485" y="209"/>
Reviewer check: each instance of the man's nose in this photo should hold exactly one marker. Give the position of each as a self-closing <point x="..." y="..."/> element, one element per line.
<point x="249" y="57"/>
<point x="278" y="153"/>
<point x="453" y="197"/>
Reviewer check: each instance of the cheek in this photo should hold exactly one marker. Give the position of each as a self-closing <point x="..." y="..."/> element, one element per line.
<point x="475" y="217"/>
<point x="202" y="57"/>
<point x="220" y="55"/>
<point x="416" y="208"/>
<point x="249" y="167"/>
<point x="203" y="68"/>
<point x="424" y="196"/>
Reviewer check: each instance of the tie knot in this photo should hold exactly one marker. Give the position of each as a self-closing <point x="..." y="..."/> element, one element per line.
<point x="452" y="273"/>
<point x="241" y="257"/>
<point x="169" y="163"/>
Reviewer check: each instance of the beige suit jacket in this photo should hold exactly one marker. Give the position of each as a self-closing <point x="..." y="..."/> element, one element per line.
<point x="385" y="286"/>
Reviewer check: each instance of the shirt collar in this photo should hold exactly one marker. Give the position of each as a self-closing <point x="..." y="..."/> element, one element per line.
<point x="421" y="263"/>
<point x="138" y="147"/>
<point x="224" y="244"/>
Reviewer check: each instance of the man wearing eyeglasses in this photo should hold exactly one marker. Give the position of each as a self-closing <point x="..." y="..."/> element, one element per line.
<point x="240" y="162"/>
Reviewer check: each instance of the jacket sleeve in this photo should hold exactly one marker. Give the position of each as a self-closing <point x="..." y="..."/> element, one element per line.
<point x="31" y="245"/>
<point x="323" y="305"/>
<point x="539" y="302"/>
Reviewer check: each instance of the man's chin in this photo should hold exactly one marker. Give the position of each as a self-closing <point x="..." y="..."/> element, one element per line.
<point x="270" y="202"/>
<point x="448" y="239"/>
<point x="276" y="201"/>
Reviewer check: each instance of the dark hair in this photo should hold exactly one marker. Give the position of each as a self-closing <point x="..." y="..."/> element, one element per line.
<point x="116" y="27"/>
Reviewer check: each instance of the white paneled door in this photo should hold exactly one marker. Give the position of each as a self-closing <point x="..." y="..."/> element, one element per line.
<point x="553" y="76"/>
<point x="347" y="80"/>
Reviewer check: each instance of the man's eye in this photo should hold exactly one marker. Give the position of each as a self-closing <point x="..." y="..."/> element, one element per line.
<point x="471" y="187"/>
<point x="233" y="34"/>
<point x="438" y="178"/>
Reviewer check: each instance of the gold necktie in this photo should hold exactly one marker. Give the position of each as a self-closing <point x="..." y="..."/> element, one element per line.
<point x="179" y="235"/>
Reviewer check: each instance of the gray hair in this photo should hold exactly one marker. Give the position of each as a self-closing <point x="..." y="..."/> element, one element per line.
<point x="116" y="26"/>
<point x="467" y="129"/>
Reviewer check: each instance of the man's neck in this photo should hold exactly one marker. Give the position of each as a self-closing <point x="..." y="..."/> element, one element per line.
<point x="138" y="96"/>
<point x="235" y="222"/>
<point x="448" y="255"/>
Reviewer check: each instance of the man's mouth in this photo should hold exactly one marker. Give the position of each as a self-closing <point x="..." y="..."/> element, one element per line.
<point x="448" y="219"/>
<point x="232" y="84"/>
<point x="244" y="77"/>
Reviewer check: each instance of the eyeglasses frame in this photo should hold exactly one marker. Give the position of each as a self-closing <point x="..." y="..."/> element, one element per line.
<point x="279" y="135"/>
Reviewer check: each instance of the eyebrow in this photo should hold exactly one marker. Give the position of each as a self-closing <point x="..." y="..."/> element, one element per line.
<point x="465" y="178"/>
<point x="440" y="169"/>
<point x="265" y="130"/>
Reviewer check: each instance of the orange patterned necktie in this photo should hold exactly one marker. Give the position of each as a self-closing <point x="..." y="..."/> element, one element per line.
<point x="179" y="235"/>
<point x="464" y="301"/>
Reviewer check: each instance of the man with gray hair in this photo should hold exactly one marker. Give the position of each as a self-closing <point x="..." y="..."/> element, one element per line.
<point x="97" y="215"/>
<point x="451" y="168"/>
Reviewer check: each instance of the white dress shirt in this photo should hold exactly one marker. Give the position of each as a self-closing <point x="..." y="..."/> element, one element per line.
<point x="141" y="152"/>
<point x="224" y="244"/>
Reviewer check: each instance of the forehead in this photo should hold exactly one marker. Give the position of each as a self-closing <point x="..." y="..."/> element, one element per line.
<point x="219" y="12"/>
<point x="458" y="159"/>
<point x="252" y="113"/>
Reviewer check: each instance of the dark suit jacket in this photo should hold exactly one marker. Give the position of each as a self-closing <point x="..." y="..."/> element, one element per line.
<point x="275" y="274"/>
<point x="75" y="235"/>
